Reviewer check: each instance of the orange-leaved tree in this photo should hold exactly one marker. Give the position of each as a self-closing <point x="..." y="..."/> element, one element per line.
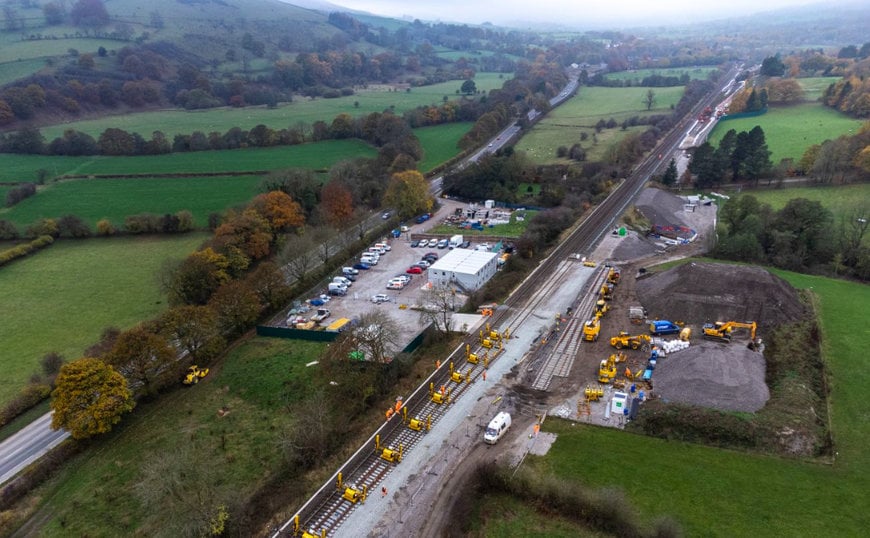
<point x="337" y="204"/>
<point x="280" y="210"/>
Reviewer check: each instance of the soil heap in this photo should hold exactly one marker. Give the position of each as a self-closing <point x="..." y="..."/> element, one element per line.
<point x="700" y="292"/>
<point x="729" y="377"/>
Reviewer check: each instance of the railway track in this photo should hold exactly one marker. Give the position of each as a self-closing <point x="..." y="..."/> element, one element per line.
<point x="324" y="513"/>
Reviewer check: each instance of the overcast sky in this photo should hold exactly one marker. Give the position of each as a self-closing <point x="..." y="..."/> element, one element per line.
<point x="582" y="13"/>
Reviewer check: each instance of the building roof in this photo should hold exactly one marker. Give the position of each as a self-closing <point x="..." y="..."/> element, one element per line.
<point x="461" y="260"/>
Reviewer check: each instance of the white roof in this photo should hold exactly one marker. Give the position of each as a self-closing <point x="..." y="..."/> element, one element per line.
<point x="462" y="260"/>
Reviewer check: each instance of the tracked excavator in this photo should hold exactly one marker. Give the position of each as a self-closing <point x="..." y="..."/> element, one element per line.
<point x="721" y="330"/>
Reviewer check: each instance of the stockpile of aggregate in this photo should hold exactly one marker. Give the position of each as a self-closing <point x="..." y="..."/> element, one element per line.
<point x="700" y="292"/>
<point x="729" y="377"/>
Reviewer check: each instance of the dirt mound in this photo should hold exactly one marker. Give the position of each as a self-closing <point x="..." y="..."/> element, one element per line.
<point x="661" y="207"/>
<point x="699" y="292"/>
<point x="729" y="377"/>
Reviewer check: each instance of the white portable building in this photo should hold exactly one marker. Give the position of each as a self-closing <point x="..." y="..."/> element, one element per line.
<point x="469" y="269"/>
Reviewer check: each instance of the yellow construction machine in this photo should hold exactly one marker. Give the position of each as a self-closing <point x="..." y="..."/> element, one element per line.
<point x="601" y="308"/>
<point x="623" y="339"/>
<point x="721" y="330"/>
<point x="613" y="275"/>
<point x="592" y="328"/>
<point x="194" y="374"/>
<point x="606" y="291"/>
<point x="606" y="370"/>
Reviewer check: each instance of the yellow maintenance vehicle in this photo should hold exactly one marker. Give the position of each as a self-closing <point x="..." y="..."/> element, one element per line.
<point x="613" y="275"/>
<point x="601" y="308"/>
<point x="194" y="374"/>
<point x="721" y="330"/>
<point x="607" y="370"/>
<point x="623" y="339"/>
<point x="606" y="291"/>
<point x="591" y="329"/>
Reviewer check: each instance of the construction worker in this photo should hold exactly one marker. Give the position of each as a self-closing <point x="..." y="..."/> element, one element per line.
<point x="437" y="364"/>
<point x="484" y="375"/>
<point x="628" y="372"/>
<point x="398" y="405"/>
<point x="443" y="390"/>
<point x="383" y="491"/>
<point x="389" y="413"/>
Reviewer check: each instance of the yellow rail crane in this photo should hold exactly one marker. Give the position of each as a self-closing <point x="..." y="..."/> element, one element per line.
<point x="592" y="328"/>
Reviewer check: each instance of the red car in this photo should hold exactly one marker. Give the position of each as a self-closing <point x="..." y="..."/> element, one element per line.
<point x="414" y="270"/>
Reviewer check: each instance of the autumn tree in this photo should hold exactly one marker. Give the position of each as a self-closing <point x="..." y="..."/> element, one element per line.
<point x="237" y="307"/>
<point x="143" y="357"/>
<point x="337" y="204"/>
<point x="114" y="141"/>
<point x="195" y="330"/>
<point x="408" y="193"/>
<point x="270" y="284"/>
<point x="89" y="13"/>
<point x="248" y="231"/>
<point x="195" y="279"/>
<point x="785" y="91"/>
<point x="280" y="210"/>
<point x="89" y="398"/>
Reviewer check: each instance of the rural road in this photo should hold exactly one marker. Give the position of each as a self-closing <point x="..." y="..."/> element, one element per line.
<point x="27" y="446"/>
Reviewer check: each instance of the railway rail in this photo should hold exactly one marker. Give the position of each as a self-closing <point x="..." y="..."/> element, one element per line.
<point x="325" y="511"/>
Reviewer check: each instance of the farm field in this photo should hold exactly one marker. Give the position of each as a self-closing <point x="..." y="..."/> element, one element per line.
<point x="636" y="75"/>
<point x="116" y="199"/>
<point x="226" y="455"/>
<point x="564" y="125"/>
<point x="317" y="156"/>
<point x="715" y="492"/>
<point x="14" y="50"/>
<point x="304" y="110"/>
<point x="815" y="86"/>
<point x="62" y="298"/>
<point x="13" y="70"/>
<point x="439" y="143"/>
<point x="789" y="131"/>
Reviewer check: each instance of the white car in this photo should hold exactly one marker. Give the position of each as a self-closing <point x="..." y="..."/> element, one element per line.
<point x="433" y="243"/>
<point x="380" y="298"/>
<point x="423" y="263"/>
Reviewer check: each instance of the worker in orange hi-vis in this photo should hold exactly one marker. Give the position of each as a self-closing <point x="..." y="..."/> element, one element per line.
<point x="537" y="429"/>
<point x="389" y="413"/>
<point x="628" y="372"/>
<point x="398" y="405"/>
<point x="437" y="364"/>
<point x="443" y="390"/>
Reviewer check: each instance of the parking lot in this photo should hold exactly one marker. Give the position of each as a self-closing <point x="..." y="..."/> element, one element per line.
<point x="374" y="281"/>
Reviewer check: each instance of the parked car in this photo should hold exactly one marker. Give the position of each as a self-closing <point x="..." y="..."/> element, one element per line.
<point x="395" y="285"/>
<point x="349" y="271"/>
<point x="415" y="243"/>
<point x="422" y="218"/>
<point x="386" y="215"/>
<point x="403" y="277"/>
<point x="317" y="301"/>
<point x="442" y="244"/>
<point x="362" y="266"/>
<point x="414" y="270"/>
<point x="431" y="255"/>
<point x="465" y="244"/>
<point x="350" y="276"/>
<point x="423" y="263"/>
<point x="380" y="298"/>
<point x="403" y="228"/>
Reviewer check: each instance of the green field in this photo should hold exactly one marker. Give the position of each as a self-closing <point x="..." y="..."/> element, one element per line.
<point x="316" y="156"/>
<point x="115" y="199"/>
<point x="94" y="494"/>
<point x="789" y="131"/>
<point x="305" y="110"/>
<point x="636" y="75"/>
<point x="514" y="228"/>
<point x="838" y="199"/>
<point x="14" y="70"/>
<point x="563" y="125"/>
<point x="815" y="86"/>
<point x="12" y="51"/>
<point x="62" y="298"/>
<point x="439" y="143"/>
<point x="715" y="492"/>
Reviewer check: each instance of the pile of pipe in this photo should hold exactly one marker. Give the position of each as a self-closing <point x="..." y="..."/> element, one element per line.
<point x="670" y="346"/>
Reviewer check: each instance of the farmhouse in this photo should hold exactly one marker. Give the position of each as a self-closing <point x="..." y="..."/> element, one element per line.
<point x="468" y="269"/>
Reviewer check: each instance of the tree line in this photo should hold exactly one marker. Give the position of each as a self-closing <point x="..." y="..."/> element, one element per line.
<point x="739" y="156"/>
<point x="802" y="236"/>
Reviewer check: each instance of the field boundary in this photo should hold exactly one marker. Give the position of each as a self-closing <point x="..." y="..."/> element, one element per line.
<point x="164" y="175"/>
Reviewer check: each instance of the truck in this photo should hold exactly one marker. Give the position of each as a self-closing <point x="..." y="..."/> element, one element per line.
<point x="338" y="325"/>
<point x="497" y="427"/>
<point x="455" y="241"/>
<point x="662" y="326"/>
<point x="322" y="314"/>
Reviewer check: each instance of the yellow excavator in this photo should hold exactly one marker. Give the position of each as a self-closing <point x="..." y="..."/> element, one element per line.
<point x="607" y="370"/>
<point x="721" y="330"/>
<point x="623" y="339"/>
<point x="194" y="374"/>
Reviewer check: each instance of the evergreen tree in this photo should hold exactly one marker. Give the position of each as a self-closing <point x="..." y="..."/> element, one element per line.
<point x="670" y="175"/>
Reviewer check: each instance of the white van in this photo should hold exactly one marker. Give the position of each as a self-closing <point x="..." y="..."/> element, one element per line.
<point x="342" y="280"/>
<point x="496" y="428"/>
<point x="377" y="250"/>
<point x="371" y="260"/>
<point x="337" y="289"/>
<point x="383" y="246"/>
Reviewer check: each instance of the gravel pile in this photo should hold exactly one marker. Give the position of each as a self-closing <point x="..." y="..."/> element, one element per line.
<point x="661" y="207"/>
<point x="706" y="292"/>
<point x="729" y="377"/>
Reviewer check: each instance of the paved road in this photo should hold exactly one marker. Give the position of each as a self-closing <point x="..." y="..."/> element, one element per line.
<point x="27" y="446"/>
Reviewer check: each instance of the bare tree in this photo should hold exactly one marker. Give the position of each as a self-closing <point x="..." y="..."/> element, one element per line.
<point x="313" y="433"/>
<point x="299" y="256"/>
<point x="649" y="100"/>
<point x="324" y="237"/>
<point x="376" y="335"/>
<point x="436" y="306"/>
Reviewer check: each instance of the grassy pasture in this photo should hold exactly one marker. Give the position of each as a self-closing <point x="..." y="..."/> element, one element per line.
<point x="317" y="156"/>
<point x="94" y="494"/>
<point x="12" y="51"/>
<point x="373" y="99"/>
<point x="11" y="71"/>
<point x="815" y="86"/>
<point x="62" y="298"/>
<point x="439" y="143"/>
<point x="635" y="76"/>
<point x="789" y="131"/>
<point x="115" y="199"/>
<point x="514" y="228"/>
<point x="715" y="492"/>
<point x="563" y="125"/>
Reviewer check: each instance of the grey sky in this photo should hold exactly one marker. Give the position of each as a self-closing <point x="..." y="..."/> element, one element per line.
<point x="582" y="13"/>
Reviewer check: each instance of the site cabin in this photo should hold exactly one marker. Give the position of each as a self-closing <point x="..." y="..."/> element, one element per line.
<point x="497" y="427"/>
